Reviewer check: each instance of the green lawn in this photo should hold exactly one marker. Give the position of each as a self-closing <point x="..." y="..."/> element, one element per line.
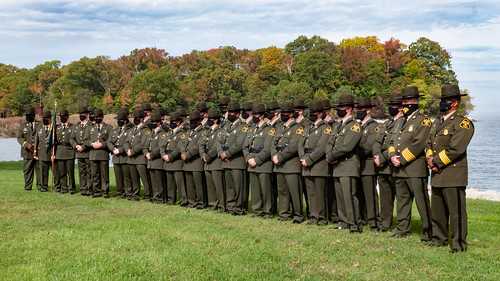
<point x="47" y="236"/>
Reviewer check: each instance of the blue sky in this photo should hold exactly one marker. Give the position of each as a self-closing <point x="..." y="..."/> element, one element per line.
<point x="35" y="31"/>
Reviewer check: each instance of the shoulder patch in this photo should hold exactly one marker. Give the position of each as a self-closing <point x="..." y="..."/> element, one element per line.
<point x="356" y="128"/>
<point x="426" y="122"/>
<point x="465" y="124"/>
<point x="327" y="131"/>
<point x="272" y="132"/>
<point x="300" y="131"/>
<point x="147" y="132"/>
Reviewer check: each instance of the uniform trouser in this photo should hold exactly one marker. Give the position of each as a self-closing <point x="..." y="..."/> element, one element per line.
<point x="274" y="193"/>
<point x="218" y="199"/>
<point x="347" y="202"/>
<point x="245" y="191"/>
<point x="139" y="173"/>
<point x="290" y="196"/>
<point x="211" y="192"/>
<point x="387" y="191"/>
<point x="406" y="190"/>
<point x="122" y="176"/>
<point x="315" y="187"/>
<point x="331" y="201"/>
<point x="449" y="211"/>
<point x="30" y="167"/>
<point x="100" y="176"/>
<point x="157" y="184"/>
<point x="44" y="174"/>
<point x="260" y="193"/>
<point x="65" y="180"/>
<point x="370" y="196"/>
<point x="235" y="184"/>
<point x="84" y="175"/>
<point x="176" y="187"/>
<point x="194" y="189"/>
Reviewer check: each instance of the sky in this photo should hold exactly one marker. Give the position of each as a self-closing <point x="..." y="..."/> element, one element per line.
<point x="36" y="31"/>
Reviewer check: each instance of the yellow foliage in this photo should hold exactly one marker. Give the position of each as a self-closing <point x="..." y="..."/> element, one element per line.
<point x="370" y="43"/>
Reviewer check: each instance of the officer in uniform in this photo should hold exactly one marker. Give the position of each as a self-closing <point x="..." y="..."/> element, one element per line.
<point x="214" y="172"/>
<point x="447" y="159"/>
<point x="99" y="155"/>
<point x="368" y="190"/>
<point x="42" y="150"/>
<point x="65" y="155"/>
<point x="78" y="141"/>
<point x="257" y="151"/>
<point x="314" y="165"/>
<point x="410" y="169"/>
<point x="136" y="151"/>
<point x="155" y="162"/>
<point x="170" y="150"/>
<point x="341" y="152"/>
<point x="273" y="115"/>
<point x="287" y="166"/>
<point x="233" y="160"/>
<point x="193" y="165"/>
<point x="331" y="202"/>
<point x="386" y="183"/>
<point x="26" y="138"/>
<point x="116" y="144"/>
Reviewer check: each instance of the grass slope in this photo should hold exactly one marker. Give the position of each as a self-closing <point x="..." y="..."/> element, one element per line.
<point x="47" y="236"/>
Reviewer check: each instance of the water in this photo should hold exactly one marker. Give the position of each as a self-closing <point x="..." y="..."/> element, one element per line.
<point x="483" y="155"/>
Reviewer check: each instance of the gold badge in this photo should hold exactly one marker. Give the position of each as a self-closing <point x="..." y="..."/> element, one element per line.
<point x="272" y="132"/>
<point x="327" y="131"/>
<point x="244" y="129"/>
<point x="300" y="131"/>
<point x="410" y="129"/>
<point x="356" y="128"/>
<point x="465" y="124"/>
<point x="183" y="136"/>
<point x="426" y="122"/>
<point x="445" y="132"/>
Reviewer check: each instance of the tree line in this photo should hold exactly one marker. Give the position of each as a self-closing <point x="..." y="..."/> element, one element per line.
<point x="308" y="67"/>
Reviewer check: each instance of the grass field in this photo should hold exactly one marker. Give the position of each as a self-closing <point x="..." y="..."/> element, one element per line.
<point x="47" y="236"/>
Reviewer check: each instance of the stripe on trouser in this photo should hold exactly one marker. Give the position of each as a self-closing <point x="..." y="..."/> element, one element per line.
<point x="427" y="207"/>
<point x="352" y="202"/>
<point x="459" y="220"/>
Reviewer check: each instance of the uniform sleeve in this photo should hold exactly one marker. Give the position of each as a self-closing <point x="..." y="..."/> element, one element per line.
<point x="265" y="154"/>
<point x="110" y="141"/>
<point x="457" y="146"/>
<point x="319" y="151"/>
<point x="379" y="142"/>
<point x="418" y="143"/>
<point x="237" y="146"/>
<point x="351" y="140"/>
<point x="367" y="144"/>
<point x="21" y="139"/>
<point x="292" y="148"/>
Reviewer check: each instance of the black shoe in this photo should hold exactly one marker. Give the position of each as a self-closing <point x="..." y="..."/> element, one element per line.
<point x="43" y="190"/>
<point x="400" y="235"/>
<point x="95" y="195"/>
<point x="312" y="221"/>
<point x="106" y="195"/>
<point x="284" y="218"/>
<point x="297" y="220"/>
<point x="27" y="189"/>
<point x="322" y="222"/>
<point x="355" y="229"/>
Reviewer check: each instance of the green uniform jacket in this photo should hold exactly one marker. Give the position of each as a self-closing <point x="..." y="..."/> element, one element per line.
<point x="410" y="143"/>
<point x="172" y="145"/>
<point x="26" y="137"/>
<point x="368" y="136"/>
<point x="448" y="147"/>
<point x="286" y="146"/>
<point x="64" y="149"/>
<point x="137" y="142"/>
<point x="233" y="146"/>
<point x="101" y="133"/>
<point x="80" y="137"/>
<point x="156" y="138"/>
<point x="342" y="147"/>
<point x="41" y="140"/>
<point x="258" y="146"/>
<point x="313" y="150"/>
<point x="118" y="140"/>
<point x="193" y="163"/>
<point x="214" y="137"/>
